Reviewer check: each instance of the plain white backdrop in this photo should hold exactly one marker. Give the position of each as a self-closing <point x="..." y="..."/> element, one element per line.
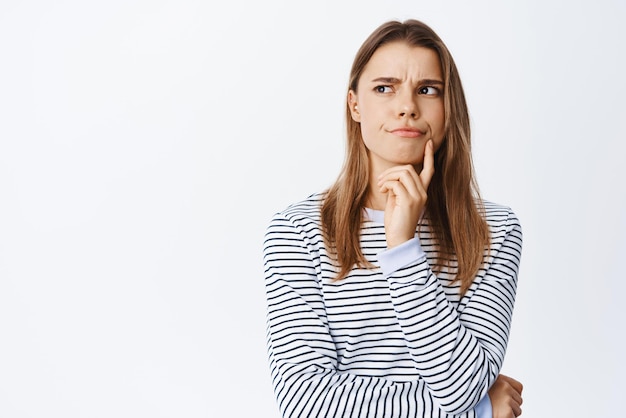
<point x="144" y="145"/>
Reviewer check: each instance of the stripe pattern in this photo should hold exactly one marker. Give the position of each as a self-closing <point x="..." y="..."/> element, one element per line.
<point x="406" y="345"/>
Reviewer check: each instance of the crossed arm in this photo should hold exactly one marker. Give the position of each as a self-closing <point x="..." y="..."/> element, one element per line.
<point x="303" y="356"/>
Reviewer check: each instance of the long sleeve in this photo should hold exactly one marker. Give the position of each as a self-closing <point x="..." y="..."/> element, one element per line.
<point x="483" y="408"/>
<point x="302" y="354"/>
<point x="459" y="356"/>
<point x="318" y="362"/>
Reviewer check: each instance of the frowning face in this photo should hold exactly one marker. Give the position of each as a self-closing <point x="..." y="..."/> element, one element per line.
<point x="399" y="104"/>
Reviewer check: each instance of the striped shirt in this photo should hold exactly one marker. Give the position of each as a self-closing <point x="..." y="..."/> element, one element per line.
<point x="392" y="341"/>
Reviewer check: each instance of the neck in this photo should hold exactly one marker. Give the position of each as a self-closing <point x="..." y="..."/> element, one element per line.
<point x="375" y="199"/>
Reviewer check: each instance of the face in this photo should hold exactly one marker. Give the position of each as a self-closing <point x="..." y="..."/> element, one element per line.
<point x="399" y="104"/>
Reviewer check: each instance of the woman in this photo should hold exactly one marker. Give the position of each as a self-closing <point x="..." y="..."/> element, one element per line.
<point x="391" y="294"/>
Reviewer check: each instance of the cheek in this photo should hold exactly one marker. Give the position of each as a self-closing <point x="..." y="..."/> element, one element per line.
<point x="438" y="124"/>
<point x="367" y="123"/>
<point x="438" y="121"/>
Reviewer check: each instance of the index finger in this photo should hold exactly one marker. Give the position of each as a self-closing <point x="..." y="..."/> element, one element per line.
<point x="428" y="166"/>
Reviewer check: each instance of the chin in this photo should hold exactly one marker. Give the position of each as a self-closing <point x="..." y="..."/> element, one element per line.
<point x="412" y="160"/>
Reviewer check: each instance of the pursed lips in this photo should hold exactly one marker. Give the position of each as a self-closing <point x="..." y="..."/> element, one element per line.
<point x="407" y="132"/>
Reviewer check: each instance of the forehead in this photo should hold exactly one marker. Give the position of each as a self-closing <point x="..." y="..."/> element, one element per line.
<point x="403" y="61"/>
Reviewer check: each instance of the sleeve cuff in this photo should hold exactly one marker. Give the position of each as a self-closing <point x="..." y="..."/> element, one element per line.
<point x="483" y="408"/>
<point x="394" y="259"/>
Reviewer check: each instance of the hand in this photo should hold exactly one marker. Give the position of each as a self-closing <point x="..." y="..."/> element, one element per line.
<point x="406" y="197"/>
<point x="506" y="397"/>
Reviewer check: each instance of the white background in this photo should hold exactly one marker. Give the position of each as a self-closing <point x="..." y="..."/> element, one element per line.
<point x="144" y="145"/>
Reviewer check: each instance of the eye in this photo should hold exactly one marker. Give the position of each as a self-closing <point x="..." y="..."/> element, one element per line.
<point x="429" y="91"/>
<point x="382" y="89"/>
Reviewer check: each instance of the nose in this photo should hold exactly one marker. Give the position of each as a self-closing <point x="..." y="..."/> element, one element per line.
<point x="407" y="106"/>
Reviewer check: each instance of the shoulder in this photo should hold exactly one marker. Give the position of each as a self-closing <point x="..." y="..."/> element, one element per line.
<point x="502" y="221"/>
<point x="296" y="228"/>
<point x="496" y="208"/>
<point x="307" y="208"/>
<point x="301" y="213"/>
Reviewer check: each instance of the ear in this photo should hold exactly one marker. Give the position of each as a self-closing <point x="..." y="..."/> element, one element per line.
<point x="352" y="105"/>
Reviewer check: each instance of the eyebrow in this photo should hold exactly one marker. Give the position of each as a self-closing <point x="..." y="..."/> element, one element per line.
<point x="393" y="80"/>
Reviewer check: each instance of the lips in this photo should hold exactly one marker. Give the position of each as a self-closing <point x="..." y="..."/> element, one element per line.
<point x="407" y="132"/>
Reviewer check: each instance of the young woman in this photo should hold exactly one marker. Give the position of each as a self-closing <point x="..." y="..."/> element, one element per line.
<point x="391" y="294"/>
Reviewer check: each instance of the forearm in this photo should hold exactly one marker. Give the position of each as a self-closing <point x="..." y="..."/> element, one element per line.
<point x="458" y="353"/>
<point x="313" y="376"/>
<point x="456" y="368"/>
<point x="303" y="363"/>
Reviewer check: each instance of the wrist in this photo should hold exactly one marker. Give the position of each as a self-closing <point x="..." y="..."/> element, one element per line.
<point x="405" y="254"/>
<point x="392" y="243"/>
<point x="395" y="239"/>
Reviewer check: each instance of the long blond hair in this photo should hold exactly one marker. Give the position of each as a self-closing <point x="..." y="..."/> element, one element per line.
<point x="453" y="208"/>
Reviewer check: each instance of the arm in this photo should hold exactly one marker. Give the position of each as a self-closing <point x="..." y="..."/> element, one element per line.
<point x="459" y="355"/>
<point x="301" y="351"/>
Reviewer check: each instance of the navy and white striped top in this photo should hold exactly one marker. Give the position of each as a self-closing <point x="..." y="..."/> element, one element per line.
<point x="393" y="341"/>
